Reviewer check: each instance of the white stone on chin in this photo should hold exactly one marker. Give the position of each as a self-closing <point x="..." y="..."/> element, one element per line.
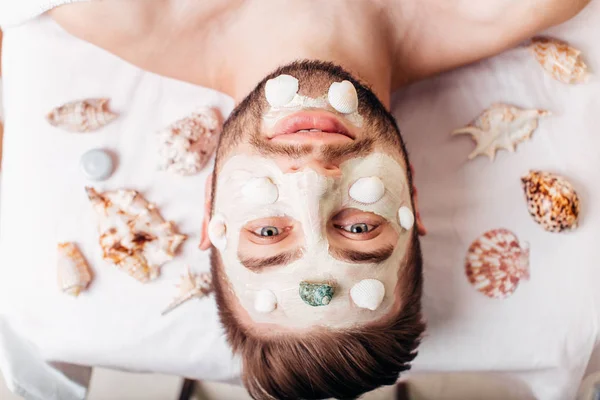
<point x="260" y="191"/>
<point x="342" y="97"/>
<point x="367" y="190"/>
<point x="406" y="218"/>
<point x="217" y="232"/>
<point x="368" y="294"/>
<point x="265" y="301"/>
<point x="281" y="90"/>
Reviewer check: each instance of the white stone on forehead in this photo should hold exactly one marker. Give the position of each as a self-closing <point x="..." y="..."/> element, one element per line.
<point x="96" y="165"/>
<point x="343" y="97"/>
<point x="368" y="294"/>
<point x="406" y="218"/>
<point x="367" y="190"/>
<point x="260" y="191"/>
<point x="281" y="90"/>
<point x="265" y="301"/>
<point x="217" y="232"/>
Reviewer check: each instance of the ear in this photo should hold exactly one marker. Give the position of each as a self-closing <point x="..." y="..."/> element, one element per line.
<point x="420" y="227"/>
<point x="205" y="243"/>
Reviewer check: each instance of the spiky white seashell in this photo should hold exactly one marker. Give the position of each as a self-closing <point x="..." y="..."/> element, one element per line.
<point x="281" y="90"/>
<point x="260" y="191"/>
<point x="191" y="286"/>
<point x="368" y="294"/>
<point x="343" y="97"/>
<point x="265" y="301"/>
<point x="73" y="271"/>
<point x="367" y="190"/>
<point x="406" y="217"/>
<point x="217" y="232"/>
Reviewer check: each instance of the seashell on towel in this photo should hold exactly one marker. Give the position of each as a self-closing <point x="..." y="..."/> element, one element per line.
<point x="496" y="262"/>
<point x="560" y="60"/>
<point x="551" y="200"/>
<point x="187" y="144"/>
<point x="73" y="271"/>
<point x="81" y="115"/>
<point x="133" y="234"/>
<point x="501" y="127"/>
<point x="191" y="286"/>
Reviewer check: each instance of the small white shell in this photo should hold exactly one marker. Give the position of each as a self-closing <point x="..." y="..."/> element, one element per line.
<point x="343" y="97"/>
<point x="281" y="90"/>
<point x="406" y="217"/>
<point x="260" y="191"/>
<point x="217" y="232"/>
<point x="367" y="190"/>
<point x="368" y="294"/>
<point x="73" y="271"/>
<point x="265" y="301"/>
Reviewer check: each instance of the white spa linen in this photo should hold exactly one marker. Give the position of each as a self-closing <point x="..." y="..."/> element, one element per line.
<point x="541" y="338"/>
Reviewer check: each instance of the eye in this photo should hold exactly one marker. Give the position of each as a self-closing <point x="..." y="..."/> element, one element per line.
<point x="359" y="228"/>
<point x="266" y="231"/>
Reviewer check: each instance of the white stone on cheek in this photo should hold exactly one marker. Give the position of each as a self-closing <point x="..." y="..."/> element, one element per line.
<point x="367" y="190"/>
<point x="265" y="301"/>
<point x="368" y="294"/>
<point x="217" y="232"/>
<point x="260" y="191"/>
<point x="406" y="218"/>
<point x="281" y="90"/>
<point x="343" y="97"/>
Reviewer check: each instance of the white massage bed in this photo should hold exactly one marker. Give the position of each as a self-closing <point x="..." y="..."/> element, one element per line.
<point x="537" y="342"/>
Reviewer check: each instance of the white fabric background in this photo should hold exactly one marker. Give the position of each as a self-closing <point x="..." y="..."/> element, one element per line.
<point x="539" y="339"/>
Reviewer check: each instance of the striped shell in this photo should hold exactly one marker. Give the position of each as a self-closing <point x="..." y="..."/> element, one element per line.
<point x="191" y="286"/>
<point x="343" y="97"/>
<point x="368" y="293"/>
<point x="133" y="234"/>
<point x="281" y="90"/>
<point x="501" y="127"/>
<point x="496" y="262"/>
<point x="73" y="272"/>
<point x="187" y="145"/>
<point x="81" y="115"/>
<point x="560" y="60"/>
<point x="551" y="200"/>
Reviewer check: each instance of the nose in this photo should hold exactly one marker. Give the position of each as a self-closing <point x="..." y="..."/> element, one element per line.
<point x="321" y="167"/>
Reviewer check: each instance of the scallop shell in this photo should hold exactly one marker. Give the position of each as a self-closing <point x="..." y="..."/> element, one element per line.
<point x="73" y="271"/>
<point x="496" y="262"/>
<point x="133" y="234"/>
<point x="81" y="115"/>
<point x="260" y="191"/>
<point x="265" y="301"/>
<point x="191" y="286"/>
<point x="551" y="200"/>
<point x="406" y="218"/>
<point x="367" y="190"/>
<point x="368" y="293"/>
<point x="187" y="145"/>
<point x="342" y="97"/>
<point x="501" y="127"/>
<point x="281" y="90"/>
<point x="316" y="294"/>
<point x="560" y="60"/>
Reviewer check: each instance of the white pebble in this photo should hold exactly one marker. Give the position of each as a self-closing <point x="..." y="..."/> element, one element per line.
<point x="343" y="97"/>
<point x="281" y="90"/>
<point x="406" y="218"/>
<point x="265" y="301"/>
<point x="96" y="165"/>
<point x="367" y="190"/>
<point x="217" y="232"/>
<point x="368" y="294"/>
<point x="260" y="191"/>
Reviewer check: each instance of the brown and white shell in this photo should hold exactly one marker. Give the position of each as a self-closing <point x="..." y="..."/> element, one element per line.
<point x="186" y="145"/>
<point x="496" y="262"/>
<point x="501" y="126"/>
<point x="73" y="271"/>
<point x="82" y="115"/>
<point x="551" y="200"/>
<point x="133" y="234"/>
<point x="560" y="60"/>
<point x="191" y="286"/>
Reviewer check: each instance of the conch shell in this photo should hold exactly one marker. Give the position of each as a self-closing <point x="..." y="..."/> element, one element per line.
<point x="191" y="286"/>
<point x="81" y="115"/>
<point x="73" y="271"/>
<point x="560" y="60"/>
<point x="501" y="127"/>
<point x="133" y="235"/>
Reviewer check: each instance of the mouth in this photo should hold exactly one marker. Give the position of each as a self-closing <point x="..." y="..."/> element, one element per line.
<point x="310" y="125"/>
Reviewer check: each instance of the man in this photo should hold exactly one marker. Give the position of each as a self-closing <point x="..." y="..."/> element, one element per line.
<point x="318" y="280"/>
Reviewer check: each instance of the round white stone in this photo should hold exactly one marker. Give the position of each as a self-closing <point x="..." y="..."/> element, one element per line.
<point x="265" y="301"/>
<point x="406" y="218"/>
<point x="343" y="97"/>
<point x="281" y="90"/>
<point x="217" y="232"/>
<point x="260" y="191"/>
<point x="368" y="294"/>
<point x="96" y="165"/>
<point x="367" y="190"/>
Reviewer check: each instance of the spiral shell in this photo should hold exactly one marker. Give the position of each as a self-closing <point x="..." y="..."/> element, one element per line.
<point x="367" y="190"/>
<point x="73" y="271"/>
<point x="551" y="200"/>
<point x="281" y="90"/>
<point x="560" y="60"/>
<point x="496" y="262"/>
<point x="260" y="191"/>
<point x="81" y="115"/>
<point x="316" y="294"/>
<point x="368" y="294"/>
<point x="342" y="97"/>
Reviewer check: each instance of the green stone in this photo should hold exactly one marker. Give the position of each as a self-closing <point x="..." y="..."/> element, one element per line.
<point x="316" y="294"/>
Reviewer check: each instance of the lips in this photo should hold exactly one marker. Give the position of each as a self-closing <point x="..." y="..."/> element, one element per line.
<point x="311" y="125"/>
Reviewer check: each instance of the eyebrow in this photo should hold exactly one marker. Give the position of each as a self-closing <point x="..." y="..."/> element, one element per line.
<point x="363" y="257"/>
<point x="278" y="260"/>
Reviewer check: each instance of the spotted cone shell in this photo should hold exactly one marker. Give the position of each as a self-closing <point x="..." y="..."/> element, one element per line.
<point x="496" y="262"/>
<point x="560" y="60"/>
<point x="81" y="115"/>
<point x="551" y="200"/>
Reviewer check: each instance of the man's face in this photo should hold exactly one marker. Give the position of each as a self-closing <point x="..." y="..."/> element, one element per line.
<point x="306" y="207"/>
